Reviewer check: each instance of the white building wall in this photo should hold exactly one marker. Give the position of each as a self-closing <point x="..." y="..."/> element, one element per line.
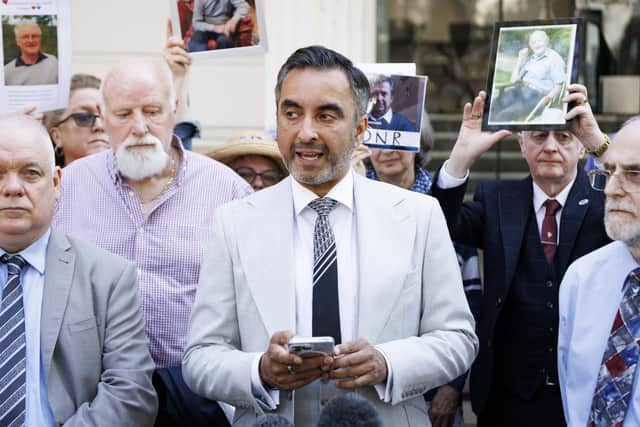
<point x="232" y="93"/>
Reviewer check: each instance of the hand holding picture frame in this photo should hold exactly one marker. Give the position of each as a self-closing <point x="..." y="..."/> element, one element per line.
<point x="533" y="62"/>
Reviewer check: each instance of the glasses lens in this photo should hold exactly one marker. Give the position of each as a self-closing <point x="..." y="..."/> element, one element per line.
<point x="247" y="174"/>
<point x="598" y="179"/>
<point x="84" y="120"/>
<point x="270" y="177"/>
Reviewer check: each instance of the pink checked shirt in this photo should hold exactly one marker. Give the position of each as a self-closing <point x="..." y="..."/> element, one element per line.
<point x="167" y="245"/>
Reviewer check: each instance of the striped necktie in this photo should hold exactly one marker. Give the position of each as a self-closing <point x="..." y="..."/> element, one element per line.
<point x="12" y="346"/>
<point x="326" y="307"/>
<point x="615" y="379"/>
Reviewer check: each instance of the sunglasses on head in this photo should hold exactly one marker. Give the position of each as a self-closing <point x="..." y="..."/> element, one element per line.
<point x="83" y="120"/>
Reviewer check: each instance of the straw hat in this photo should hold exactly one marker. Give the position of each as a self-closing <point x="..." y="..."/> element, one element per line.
<point x="249" y="142"/>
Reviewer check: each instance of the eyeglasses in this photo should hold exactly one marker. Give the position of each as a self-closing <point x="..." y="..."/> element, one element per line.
<point x="629" y="180"/>
<point x="269" y="177"/>
<point x="30" y="37"/>
<point x="82" y="120"/>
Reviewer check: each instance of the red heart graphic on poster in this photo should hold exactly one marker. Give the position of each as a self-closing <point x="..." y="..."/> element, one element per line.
<point x="5" y="1"/>
<point x="33" y="7"/>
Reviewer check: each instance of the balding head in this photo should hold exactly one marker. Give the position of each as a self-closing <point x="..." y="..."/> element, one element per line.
<point x="12" y="124"/>
<point x="29" y="182"/>
<point x="124" y="76"/>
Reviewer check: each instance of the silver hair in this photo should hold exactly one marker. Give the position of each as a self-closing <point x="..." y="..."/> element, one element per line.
<point x="129" y="65"/>
<point x="25" y="23"/>
<point x="20" y="121"/>
<point x="546" y="36"/>
<point x="630" y="120"/>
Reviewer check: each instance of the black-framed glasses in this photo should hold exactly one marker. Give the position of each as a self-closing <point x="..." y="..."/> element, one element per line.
<point x="269" y="177"/>
<point x="82" y="120"/>
<point x="629" y="180"/>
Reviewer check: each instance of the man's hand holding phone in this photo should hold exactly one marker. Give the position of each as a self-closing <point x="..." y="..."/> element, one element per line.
<point x="284" y="370"/>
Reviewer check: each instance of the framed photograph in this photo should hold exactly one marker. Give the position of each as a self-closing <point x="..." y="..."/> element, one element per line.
<point x="395" y="111"/>
<point x="532" y="63"/>
<point x="212" y="28"/>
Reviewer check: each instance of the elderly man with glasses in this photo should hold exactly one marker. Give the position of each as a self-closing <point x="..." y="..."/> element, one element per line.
<point x="530" y="231"/>
<point x="31" y="67"/>
<point x="599" y="334"/>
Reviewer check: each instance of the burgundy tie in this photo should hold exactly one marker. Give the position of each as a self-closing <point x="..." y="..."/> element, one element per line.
<point x="549" y="235"/>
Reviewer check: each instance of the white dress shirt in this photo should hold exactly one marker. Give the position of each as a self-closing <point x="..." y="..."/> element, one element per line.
<point x="343" y="224"/>
<point x="590" y="294"/>
<point x="38" y="411"/>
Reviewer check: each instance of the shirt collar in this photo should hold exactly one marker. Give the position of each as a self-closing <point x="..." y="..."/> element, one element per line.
<point x="36" y="253"/>
<point x="21" y="63"/>
<point x="387" y="116"/>
<point x="175" y="142"/>
<point x="539" y="196"/>
<point x="342" y="192"/>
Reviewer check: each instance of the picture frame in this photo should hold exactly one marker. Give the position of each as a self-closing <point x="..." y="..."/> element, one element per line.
<point x="532" y="63"/>
<point x="249" y="36"/>
<point x="395" y="111"/>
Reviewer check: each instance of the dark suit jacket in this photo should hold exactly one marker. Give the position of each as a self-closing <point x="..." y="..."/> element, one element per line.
<point x="94" y="349"/>
<point x="495" y="221"/>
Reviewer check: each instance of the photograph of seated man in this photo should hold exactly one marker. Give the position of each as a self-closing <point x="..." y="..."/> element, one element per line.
<point x="217" y="24"/>
<point x="531" y="73"/>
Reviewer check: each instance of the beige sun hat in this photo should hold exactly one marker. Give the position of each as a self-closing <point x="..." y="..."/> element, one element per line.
<point x="249" y="142"/>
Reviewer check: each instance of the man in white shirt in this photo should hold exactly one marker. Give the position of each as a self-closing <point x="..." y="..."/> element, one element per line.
<point x="600" y="302"/>
<point x="530" y="230"/>
<point x="391" y="298"/>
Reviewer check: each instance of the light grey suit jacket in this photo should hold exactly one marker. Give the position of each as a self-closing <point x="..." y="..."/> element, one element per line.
<point x="411" y="300"/>
<point x="94" y="349"/>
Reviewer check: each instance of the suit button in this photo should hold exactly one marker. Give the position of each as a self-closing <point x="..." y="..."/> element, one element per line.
<point x="549" y="284"/>
<point x="550" y="349"/>
<point x="488" y="343"/>
<point x="498" y="302"/>
<point x="549" y="304"/>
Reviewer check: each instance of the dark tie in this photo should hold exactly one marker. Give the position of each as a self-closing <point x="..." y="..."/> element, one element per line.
<point x="549" y="234"/>
<point x="326" y="308"/>
<point x="12" y="346"/>
<point x="615" y="379"/>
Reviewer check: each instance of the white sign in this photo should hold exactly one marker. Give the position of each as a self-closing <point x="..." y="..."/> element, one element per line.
<point x="36" y="54"/>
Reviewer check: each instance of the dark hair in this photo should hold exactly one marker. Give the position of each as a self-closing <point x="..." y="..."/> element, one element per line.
<point x="382" y="78"/>
<point x="272" y="420"/>
<point x="349" y="410"/>
<point x="322" y="58"/>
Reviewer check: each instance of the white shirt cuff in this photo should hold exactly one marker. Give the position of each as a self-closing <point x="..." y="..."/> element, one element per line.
<point x="446" y="181"/>
<point x="269" y="398"/>
<point x="384" y="390"/>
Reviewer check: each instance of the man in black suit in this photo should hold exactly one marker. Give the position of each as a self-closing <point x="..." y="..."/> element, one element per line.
<point x="514" y="378"/>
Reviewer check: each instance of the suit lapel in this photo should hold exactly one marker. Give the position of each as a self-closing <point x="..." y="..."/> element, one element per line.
<point x="514" y="207"/>
<point x="384" y="228"/>
<point x="266" y="255"/>
<point x="573" y="214"/>
<point x="57" y="284"/>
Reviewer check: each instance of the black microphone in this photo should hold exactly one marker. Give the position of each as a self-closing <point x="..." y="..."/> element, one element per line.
<point x="349" y="410"/>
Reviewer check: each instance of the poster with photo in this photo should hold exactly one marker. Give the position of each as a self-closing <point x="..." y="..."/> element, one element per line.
<point x="395" y="111"/>
<point x="35" y="54"/>
<point x="213" y="28"/>
<point x="533" y="62"/>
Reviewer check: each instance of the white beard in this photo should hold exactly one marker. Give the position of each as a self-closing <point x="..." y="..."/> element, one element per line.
<point x="138" y="164"/>
<point x="622" y="227"/>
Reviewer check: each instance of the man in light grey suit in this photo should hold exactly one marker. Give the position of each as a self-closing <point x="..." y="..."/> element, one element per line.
<point x="326" y="252"/>
<point x="72" y="344"/>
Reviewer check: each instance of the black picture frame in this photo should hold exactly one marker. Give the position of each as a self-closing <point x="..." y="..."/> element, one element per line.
<point x="533" y="103"/>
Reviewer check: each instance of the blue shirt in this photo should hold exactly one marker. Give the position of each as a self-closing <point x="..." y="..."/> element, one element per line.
<point x="32" y="281"/>
<point x="590" y="294"/>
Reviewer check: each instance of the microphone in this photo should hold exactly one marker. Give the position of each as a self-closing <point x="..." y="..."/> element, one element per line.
<point x="349" y="410"/>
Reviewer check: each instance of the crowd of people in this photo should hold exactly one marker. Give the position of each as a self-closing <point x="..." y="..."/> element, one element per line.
<point x="145" y="284"/>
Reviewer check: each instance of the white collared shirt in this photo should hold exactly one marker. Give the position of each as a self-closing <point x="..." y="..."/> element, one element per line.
<point x="539" y="197"/>
<point x="342" y="220"/>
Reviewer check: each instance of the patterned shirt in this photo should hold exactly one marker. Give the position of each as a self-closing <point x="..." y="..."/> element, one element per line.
<point x="167" y="245"/>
